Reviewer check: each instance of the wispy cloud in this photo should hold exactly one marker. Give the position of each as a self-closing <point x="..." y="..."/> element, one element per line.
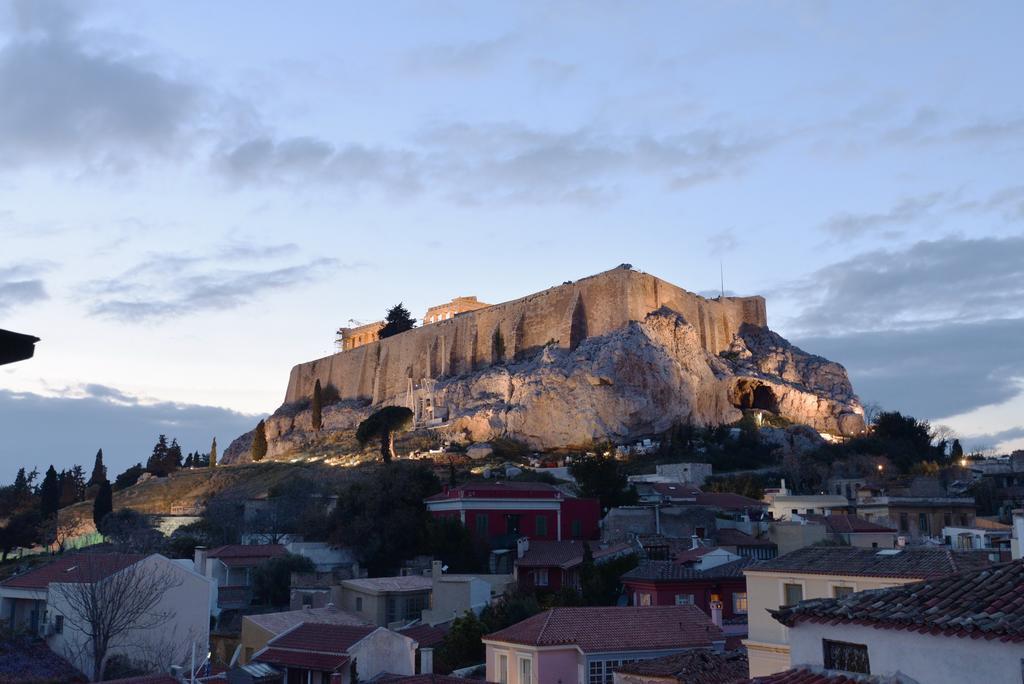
<point x="20" y="285"/>
<point x="459" y="59"/>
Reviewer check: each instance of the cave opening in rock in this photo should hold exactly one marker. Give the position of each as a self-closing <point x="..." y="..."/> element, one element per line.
<point x="754" y="395"/>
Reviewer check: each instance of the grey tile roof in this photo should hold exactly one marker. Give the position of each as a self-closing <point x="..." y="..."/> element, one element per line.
<point x="909" y="563"/>
<point x="667" y="571"/>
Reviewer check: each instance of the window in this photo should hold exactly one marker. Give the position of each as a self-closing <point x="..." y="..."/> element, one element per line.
<point x="645" y="599"/>
<point x="359" y="604"/>
<point x="540" y="577"/>
<point x="502" y="668"/>
<point x="739" y="602"/>
<point x="481" y="524"/>
<point x="700" y="532"/>
<point x="58" y="624"/>
<point x="793" y="594"/>
<point x="391" y="614"/>
<point x="525" y="670"/>
<point x="542" y="526"/>
<point x="922" y="523"/>
<point x="511" y="523"/>
<point x="307" y="600"/>
<point x="840" y="592"/>
<point x="577" y="529"/>
<point x="840" y="655"/>
<point x="601" y="671"/>
<point x="904" y="521"/>
<point x="684" y="599"/>
<point x="963" y="520"/>
<point x="947" y="519"/>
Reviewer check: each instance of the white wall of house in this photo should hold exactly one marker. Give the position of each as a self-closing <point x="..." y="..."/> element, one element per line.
<point x="384" y="651"/>
<point x="922" y="657"/>
<point x="451" y="597"/>
<point x="188" y="604"/>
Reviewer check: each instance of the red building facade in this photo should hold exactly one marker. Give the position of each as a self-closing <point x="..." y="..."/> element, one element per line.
<point x="502" y="512"/>
<point x="663" y="583"/>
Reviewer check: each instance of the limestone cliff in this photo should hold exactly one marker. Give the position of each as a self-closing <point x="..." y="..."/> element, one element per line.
<point x="638" y="379"/>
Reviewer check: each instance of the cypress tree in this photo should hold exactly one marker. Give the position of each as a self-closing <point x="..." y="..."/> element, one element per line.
<point x="259" y="442"/>
<point x="213" y="454"/>
<point x="957" y="452"/>
<point x="99" y="471"/>
<point x="49" y="493"/>
<point x="103" y="504"/>
<point x="317" y="406"/>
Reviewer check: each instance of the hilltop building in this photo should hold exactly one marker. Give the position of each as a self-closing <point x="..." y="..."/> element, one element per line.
<point x="443" y="312"/>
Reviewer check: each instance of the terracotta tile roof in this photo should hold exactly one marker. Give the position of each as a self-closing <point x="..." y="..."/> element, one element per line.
<point x="699" y="666"/>
<point x="565" y="554"/>
<point x="241" y="555"/>
<point x="844" y="523"/>
<point x="321" y="662"/>
<point x="667" y="571"/>
<point x="275" y="623"/>
<point x="75" y="567"/>
<point x="806" y="676"/>
<point x="391" y="584"/>
<point x="919" y="562"/>
<point x="987" y="603"/>
<point x="614" y="629"/>
<point x="728" y="536"/>
<point x="502" y="488"/>
<point x="425" y="635"/>
<point x="691" y="554"/>
<point x="676" y="491"/>
<point x="310" y="636"/>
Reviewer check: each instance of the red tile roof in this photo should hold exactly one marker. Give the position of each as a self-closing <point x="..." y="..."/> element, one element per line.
<point x="614" y="629"/>
<point x="805" y="676"/>
<point x="728" y="501"/>
<point x="918" y="562"/>
<point x="241" y="555"/>
<point x="321" y="637"/>
<point x="74" y="567"/>
<point x="565" y="554"/>
<point x="987" y="603"/>
<point x="667" y="571"/>
<point x="500" y="489"/>
<point x="320" y="662"/>
<point x="844" y="523"/>
<point x="699" y="666"/>
<point x="728" y="536"/>
<point x="691" y="554"/>
<point x="425" y="635"/>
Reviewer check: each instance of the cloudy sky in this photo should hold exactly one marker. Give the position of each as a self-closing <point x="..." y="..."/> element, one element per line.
<point x="195" y="195"/>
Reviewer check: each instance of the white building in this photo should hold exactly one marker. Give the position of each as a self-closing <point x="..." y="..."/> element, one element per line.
<point x="43" y="599"/>
<point x="962" y="628"/>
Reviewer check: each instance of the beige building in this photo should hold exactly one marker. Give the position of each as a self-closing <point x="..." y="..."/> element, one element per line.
<point x="385" y="601"/>
<point x="257" y="630"/>
<point x="443" y="312"/>
<point x="918" y="517"/>
<point x="350" y="338"/>
<point x="829" y="572"/>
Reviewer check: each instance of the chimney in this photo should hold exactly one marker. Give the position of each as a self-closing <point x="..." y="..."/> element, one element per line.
<point x="716" y="611"/>
<point x="436" y="569"/>
<point x="694" y="542"/>
<point x="199" y="561"/>
<point x="522" y="546"/>
<point x="426" y="661"/>
<point x="332" y="608"/>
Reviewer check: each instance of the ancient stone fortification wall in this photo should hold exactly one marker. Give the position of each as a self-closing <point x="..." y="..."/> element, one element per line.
<point x="384" y="371"/>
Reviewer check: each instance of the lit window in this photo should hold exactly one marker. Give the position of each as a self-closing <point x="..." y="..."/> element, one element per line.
<point x="739" y="602"/>
<point x="684" y="599"/>
<point x="645" y="599"/>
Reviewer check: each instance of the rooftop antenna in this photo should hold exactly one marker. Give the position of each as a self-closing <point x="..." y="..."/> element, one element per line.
<point x="721" y="274"/>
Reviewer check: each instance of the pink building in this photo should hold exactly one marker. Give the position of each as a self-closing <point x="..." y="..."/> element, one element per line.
<point x="584" y="645"/>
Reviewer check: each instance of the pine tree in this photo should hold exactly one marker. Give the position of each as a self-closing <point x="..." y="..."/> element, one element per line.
<point x="398" y="320"/>
<point x="68" y="491"/>
<point x="259" y="442"/>
<point x="103" y="504"/>
<point x="78" y="480"/>
<point x="957" y="452"/>
<point x="158" y="458"/>
<point x="212" y="461"/>
<point x="99" y="471"/>
<point x="21" y="483"/>
<point x="174" y="458"/>
<point x="49" y="494"/>
<point x="189" y="461"/>
<point x="317" y="408"/>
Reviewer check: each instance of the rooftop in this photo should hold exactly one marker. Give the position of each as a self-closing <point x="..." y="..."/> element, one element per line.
<point x="844" y="523"/>
<point x="699" y="666"/>
<point x="803" y="675"/>
<point x="919" y="562"/>
<point x="566" y="554"/>
<point x="599" y="629"/>
<point x="308" y="660"/>
<point x="499" y="489"/>
<point x="728" y="501"/>
<point x="313" y="646"/>
<point x="667" y="571"/>
<point x="729" y="536"/>
<point x="73" y="568"/>
<point x="425" y="635"/>
<point x="276" y="623"/>
<point x="986" y="603"/>
<point x="674" y="490"/>
<point x="229" y="551"/>
<point x="391" y="584"/>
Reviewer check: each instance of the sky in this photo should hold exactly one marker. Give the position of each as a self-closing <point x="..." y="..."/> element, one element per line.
<point x="194" y="196"/>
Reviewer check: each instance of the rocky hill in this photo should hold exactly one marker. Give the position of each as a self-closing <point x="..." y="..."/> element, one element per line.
<point x="636" y="380"/>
